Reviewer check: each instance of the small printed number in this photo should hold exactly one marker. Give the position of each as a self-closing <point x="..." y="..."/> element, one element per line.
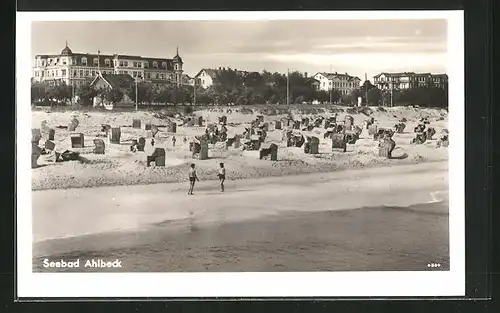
<point x="434" y="265"/>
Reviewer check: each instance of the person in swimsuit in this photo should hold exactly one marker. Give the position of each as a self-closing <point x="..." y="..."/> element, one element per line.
<point x="192" y="179"/>
<point x="222" y="176"/>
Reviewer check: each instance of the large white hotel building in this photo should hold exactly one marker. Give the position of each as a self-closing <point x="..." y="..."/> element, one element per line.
<point x="76" y="68"/>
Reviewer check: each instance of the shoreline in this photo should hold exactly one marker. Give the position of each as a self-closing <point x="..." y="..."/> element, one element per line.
<point x="118" y="208"/>
<point x="333" y="168"/>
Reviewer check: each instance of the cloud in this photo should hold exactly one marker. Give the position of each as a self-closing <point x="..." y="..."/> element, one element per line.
<point x="371" y="62"/>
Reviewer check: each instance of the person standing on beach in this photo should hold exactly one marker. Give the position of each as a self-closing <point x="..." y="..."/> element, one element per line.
<point x="192" y="179"/>
<point x="222" y="176"/>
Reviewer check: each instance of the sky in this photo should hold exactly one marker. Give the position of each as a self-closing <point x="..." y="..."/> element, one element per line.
<point x="355" y="47"/>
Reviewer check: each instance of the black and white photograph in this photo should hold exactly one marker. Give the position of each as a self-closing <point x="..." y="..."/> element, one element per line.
<point x="263" y="155"/>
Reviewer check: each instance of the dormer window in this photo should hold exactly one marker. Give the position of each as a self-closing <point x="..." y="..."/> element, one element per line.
<point x="84" y="61"/>
<point x="107" y="62"/>
<point x="155" y="64"/>
<point x="96" y="61"/>
<point x="164" y="65"/>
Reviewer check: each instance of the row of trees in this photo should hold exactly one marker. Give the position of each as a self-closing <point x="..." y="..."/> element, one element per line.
<point x="60" y="93"/>
<point x="233" y="88"/>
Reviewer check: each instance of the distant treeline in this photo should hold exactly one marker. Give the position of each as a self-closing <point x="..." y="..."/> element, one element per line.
<point x="232" y="88"/>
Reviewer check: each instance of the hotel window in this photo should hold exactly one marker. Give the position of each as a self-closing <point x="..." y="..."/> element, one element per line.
<point x="64" y="62"/>
<point x="96" y="61"/>
<point x="155" y="64"/>
<point x="57" y="72"/>
<point x="84" y="61"/>
<point x="164" y="65"/>
<point x="125" y="63"/>
<point x="63" y="72"/>
<point x="75" y="73"/>
<point x="81" y="73"/>
<point x="107" y="62"/>
<point x="146" y="64"/>
<point x="93" y="73"/>
<point x="148" y="75"/>
<point x="135" y="74"/>
<point x="139" y="64"/>
<point x="157" y="76"/>
<point x="121" y="63"/>
<point x="135" y="64"/>
<point x="87" y="72"/>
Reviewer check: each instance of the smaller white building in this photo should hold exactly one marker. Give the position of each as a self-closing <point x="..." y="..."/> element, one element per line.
<point x="206" y="77"/>
<point x="344" y="83"/>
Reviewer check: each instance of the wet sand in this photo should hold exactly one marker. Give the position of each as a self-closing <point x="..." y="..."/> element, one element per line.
<point x="365" y="239"/>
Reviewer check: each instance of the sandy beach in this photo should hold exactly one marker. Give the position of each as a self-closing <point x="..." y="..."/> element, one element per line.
<point x="119" y="166"/>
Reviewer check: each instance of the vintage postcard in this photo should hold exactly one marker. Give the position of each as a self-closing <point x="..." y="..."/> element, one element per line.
<point x="273" y="154"/>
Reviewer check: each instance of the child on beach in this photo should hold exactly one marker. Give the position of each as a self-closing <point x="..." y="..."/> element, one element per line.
<point x="222" y="176"/>
<point x="192" y="179"/>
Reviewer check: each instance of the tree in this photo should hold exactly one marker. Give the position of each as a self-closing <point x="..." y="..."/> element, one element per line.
<point x="253" y="80"/>
<point x="229" y="78"/>
<point x="144" y="92"/>
<point x="347" y="99"/>
<point x="38" y="92"/>
<point x="58" y="91"/>
<point x="374" y="96"/>
<point x="386" y="97"/>
<point x="113" y="95"/>
<point x="299" y="100"/>
<point x="367" y="85"/>
<point x="257" y="98"/>
<point x="336" y="96"/>
<point x="323" y="96"/>
<point x="86" y="93"/>
<point x="162" y="95"/>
